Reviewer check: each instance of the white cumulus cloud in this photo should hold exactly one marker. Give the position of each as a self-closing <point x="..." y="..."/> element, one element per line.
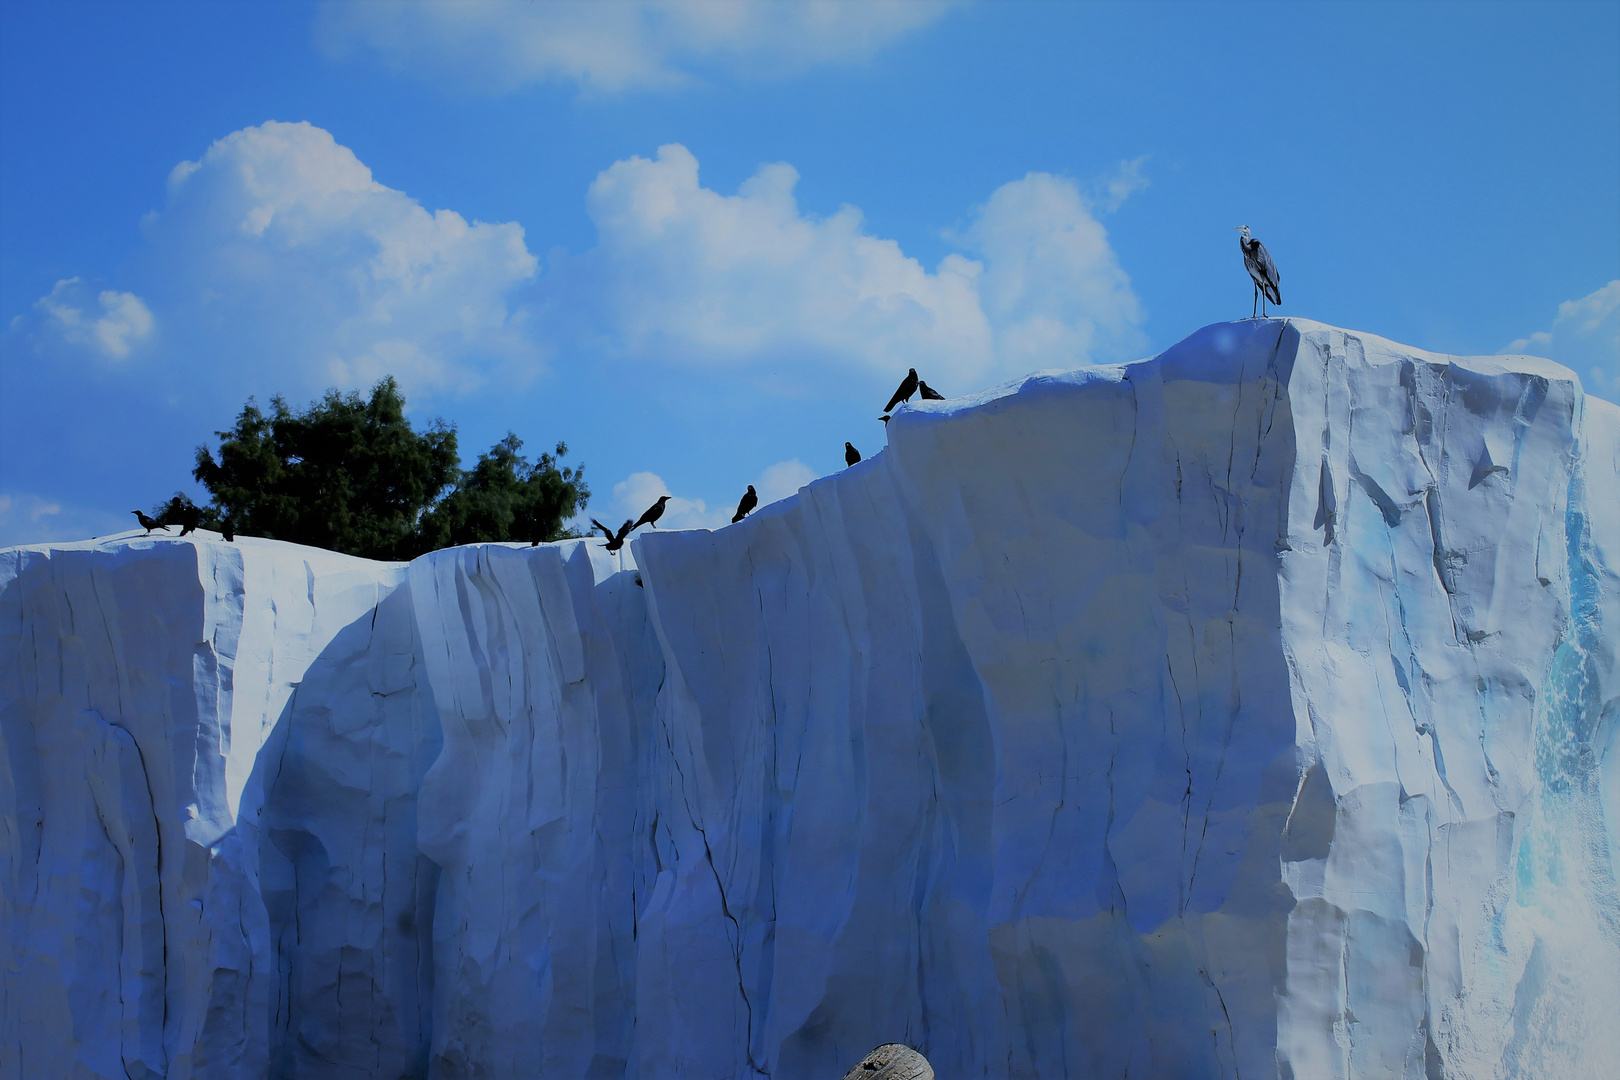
<point x="685" y="273"/>
<point x="1584" y="337"/>
<point x="615" y="46"/>
<point x="1052" y="288"/>
<point x="279" y="246"/>
<point x="123" y="320"/>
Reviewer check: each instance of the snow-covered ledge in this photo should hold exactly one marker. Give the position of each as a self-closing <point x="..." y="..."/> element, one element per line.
<point x="1247" y="710"/>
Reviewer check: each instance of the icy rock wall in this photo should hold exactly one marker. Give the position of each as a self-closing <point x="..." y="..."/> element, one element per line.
<point x="1449" y="600"/>
<point x="995" y="753"/>
<point x="544" y="668"/>
<point x="1247" y="710"/>
<point x="208" y="863"/>
<point x="1250" y="710"/>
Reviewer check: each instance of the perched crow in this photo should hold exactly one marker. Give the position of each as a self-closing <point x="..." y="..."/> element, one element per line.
<point x="227" y="530"/>
<point x="745" y="505"/>
<point x="928" y="392"/>
<point x="651" y="515"/>
<point x="148" y="523"/>
<point x="908" y="386"/>
<point x="190" y="518"/>
<point x="851" y="455"/>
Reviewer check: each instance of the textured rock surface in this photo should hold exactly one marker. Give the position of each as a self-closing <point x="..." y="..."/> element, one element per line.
<point x="207" y="834"/>
<point x="1250" y="711"/>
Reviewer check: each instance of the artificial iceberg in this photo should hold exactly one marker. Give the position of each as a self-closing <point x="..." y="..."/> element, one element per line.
<point x="1246" y="711"/>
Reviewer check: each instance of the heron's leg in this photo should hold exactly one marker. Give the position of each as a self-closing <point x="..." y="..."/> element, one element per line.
<point x="1256" y="302"/>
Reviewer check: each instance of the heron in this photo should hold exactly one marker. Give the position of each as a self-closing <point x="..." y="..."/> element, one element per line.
<point x="1264" y="272"/>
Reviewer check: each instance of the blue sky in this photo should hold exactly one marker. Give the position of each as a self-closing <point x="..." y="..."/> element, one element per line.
<point x="701" y="242"/>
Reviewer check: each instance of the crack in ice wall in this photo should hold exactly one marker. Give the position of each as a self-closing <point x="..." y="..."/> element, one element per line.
<point x="1246" y="711"/>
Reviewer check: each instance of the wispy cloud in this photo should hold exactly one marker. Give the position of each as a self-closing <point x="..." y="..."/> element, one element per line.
<point x="26" y="518"/>
<point x="1121" y="184"/>
<point x="69" y="314"/>
<point x="612" y="47"/>
<point x="1585" y="337"/>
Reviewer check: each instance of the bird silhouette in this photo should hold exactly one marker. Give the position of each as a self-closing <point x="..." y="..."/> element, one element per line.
<point x="852" y="456"/>
<point x="1257" y="261"/>
<point x="190" y="518"/>
<point x="884" y="418"/>
<point x="228" y="531"/>
<point x="149" y="523"/>
<point x="928" y="392"/>
<point x="651" y="515"/>
<point x="745" y="505"/>
<point x="908" y="386"/>
<point x="615" y="540"/>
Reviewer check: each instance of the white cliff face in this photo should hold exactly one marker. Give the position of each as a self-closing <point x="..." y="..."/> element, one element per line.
<point x="207" y="835"/>
<point x="1248" y="711"/>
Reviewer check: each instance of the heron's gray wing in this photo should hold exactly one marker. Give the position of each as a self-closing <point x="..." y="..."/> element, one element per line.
<point x="1268" y="271"/>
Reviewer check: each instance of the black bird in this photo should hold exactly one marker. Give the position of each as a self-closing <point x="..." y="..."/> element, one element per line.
<point x="852" y="456"/>
<point x="615" y="540"/>
<point x="745" y="505"/>
<point x="908" y="386"/>
<point x="227" y="530"/>
<point x="190" y="518"/>
<point x="651" y="515"/>
<point x="149" y="523"/>
<point x="928" y="392"/>
<point x="1257" y="260"/>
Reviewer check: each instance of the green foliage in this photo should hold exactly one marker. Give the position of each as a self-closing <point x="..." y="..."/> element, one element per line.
<point x="351" y="474"/>
<point x="504" y="497"/>
<point x="180" y="507"/>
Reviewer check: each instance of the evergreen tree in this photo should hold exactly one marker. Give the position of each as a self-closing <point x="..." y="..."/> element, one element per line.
<point x="504" y="497"/>
<point x="351" y="474"/>
<point x="347" y="474"/>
